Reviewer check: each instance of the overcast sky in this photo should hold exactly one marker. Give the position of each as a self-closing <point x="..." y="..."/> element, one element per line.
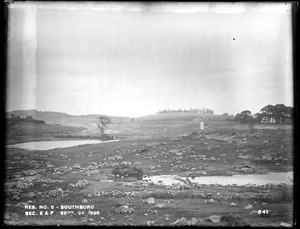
<point x="136" y="59"/>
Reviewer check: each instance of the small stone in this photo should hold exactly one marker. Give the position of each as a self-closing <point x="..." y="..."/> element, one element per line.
<point x="167" y="219"/>
<point x="248" y="207"/>
<point x="84" y="200"/>
<point x="232" y="204"/>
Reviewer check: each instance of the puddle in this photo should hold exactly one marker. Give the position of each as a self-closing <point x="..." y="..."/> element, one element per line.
<point x="239" y="180"/>
<point x="46" y="145"/>
<point x="273" y="127"/>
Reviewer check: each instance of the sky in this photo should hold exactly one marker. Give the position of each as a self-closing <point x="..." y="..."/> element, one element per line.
<point x="134" y="59"/>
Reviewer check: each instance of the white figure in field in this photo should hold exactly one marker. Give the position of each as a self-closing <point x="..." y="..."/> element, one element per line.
<point x="201" y="125"/>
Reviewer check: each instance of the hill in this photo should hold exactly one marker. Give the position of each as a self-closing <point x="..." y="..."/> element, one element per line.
<point x="64" y="119"/>
<point x="43" y="115"/>
<point x="89" y="121"/>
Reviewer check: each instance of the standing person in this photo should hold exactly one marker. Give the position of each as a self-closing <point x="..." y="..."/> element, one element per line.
<point x="201" y="126"/>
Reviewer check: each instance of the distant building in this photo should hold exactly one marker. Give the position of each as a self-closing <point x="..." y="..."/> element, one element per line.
<point x="266" y="120"/>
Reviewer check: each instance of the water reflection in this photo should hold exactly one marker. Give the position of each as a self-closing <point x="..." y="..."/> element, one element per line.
<point x="239" y="180"/>
<point x="46" y="145"/>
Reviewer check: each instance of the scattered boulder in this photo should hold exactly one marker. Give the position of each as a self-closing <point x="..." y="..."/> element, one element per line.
<point x="160" y="205"/>
<point x="184" y="222"/>
<point x="80" y="183"/>
<point x="248" y="206"/>
<point x="149" y="223"/>
<point x="179" y="222"/>
<point x="150" y="200"/>
<point x="245" y="170"/>
<point x="267" y="157"/>
<point x="209" y="201"/>
<point x="124" y="209"/>
<point x="126" y="170"/>
<point x="90" y="195"/>
<point x="244" y="156"/>
<point x="76" y="166"/>
<point x="193" y="221"/>
<point x="144" y="150"/>
<point x="213" y="218"/>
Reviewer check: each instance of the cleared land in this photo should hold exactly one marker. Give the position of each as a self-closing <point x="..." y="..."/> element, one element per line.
<point x="160" y="144"/>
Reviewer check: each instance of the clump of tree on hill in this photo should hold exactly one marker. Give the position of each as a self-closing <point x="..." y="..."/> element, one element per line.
<point x="12" y="120"/>
<point x="278" y="113"/>
<point x="191" y="110"/>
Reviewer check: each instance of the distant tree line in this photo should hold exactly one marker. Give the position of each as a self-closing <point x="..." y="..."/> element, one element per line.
<point x="191" y="110"/>
<point x="12" y="120"/>
<point x="278" y="113"/>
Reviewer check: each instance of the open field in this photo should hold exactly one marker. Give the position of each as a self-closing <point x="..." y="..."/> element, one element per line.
<point x="159" y="145"/>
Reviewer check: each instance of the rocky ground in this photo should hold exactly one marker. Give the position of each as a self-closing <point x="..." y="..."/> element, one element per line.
<point x="43" y="188"/>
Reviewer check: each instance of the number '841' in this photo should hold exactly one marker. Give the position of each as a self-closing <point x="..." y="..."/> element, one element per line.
<point x="262" y="212"/>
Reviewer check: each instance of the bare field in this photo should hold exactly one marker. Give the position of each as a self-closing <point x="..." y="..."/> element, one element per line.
<point x="82" y="175"/>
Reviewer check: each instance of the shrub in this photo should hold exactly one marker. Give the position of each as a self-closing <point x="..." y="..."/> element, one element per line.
<point x="126" y="170"/>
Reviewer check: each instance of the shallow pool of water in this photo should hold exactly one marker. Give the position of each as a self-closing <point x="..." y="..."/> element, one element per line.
<point x="46" y="145"/>
<point x="239" y="180"/>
